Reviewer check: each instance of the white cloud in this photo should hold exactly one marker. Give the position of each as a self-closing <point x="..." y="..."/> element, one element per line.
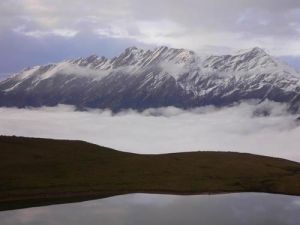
<point x="113" y="32"/>
<point x="66" y="33"/>
<point x="165" y="129"/>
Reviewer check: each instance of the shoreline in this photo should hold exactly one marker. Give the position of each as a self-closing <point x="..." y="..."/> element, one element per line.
<point x="40" y="201"/>
<point x="37" y="172"/>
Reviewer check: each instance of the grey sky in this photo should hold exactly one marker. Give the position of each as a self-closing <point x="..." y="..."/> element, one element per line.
<point x="42" y="31"/>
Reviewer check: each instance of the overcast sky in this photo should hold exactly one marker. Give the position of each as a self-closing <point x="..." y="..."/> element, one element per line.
<point x="42" y="31"/>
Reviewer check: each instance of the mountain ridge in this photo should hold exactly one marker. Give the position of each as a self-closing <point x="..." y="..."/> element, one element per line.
<point x="141" y="79"/>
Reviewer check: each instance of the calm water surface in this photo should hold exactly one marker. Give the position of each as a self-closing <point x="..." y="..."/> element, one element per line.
<point x="146" y="209"/>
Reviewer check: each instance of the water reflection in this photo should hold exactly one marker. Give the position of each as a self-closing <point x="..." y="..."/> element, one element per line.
<point x="146" y="209"/>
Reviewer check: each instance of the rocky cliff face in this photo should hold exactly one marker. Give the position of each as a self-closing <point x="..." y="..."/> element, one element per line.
<point x="164" y="76"/>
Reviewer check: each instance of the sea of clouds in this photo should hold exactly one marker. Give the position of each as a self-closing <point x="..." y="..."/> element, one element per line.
<point x="242" y="128"/>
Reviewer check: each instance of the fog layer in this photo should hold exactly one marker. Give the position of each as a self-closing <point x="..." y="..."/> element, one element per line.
<point x="241" y="128"/>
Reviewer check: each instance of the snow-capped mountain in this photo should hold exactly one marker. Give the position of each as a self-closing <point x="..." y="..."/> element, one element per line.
<point x="164" y="76"/>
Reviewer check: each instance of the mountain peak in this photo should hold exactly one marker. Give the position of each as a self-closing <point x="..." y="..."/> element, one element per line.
<point x="161" y="48"/>
<point x="256" y="51"/>
<point x="163" y="76"/>
<point x="130" y="49"/>
<point x="91" y="58"/>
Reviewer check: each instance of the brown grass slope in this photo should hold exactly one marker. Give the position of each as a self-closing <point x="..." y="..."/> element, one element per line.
<point x="44" y="171"/>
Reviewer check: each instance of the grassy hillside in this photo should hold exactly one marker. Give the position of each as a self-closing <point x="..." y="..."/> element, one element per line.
<point x="44" y="171"/>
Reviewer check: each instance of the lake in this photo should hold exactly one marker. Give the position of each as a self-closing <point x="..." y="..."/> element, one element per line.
<point x="146" y="209"/>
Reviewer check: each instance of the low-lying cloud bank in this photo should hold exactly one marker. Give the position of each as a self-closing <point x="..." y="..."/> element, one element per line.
<point x="241" y="128"/>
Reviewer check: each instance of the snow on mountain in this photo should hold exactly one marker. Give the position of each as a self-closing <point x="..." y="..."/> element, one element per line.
<point x="140" y="79"/>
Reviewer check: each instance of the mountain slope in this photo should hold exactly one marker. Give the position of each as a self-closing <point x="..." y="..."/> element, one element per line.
<point x="37" y="171"/>
<point x="164" y="76"/>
